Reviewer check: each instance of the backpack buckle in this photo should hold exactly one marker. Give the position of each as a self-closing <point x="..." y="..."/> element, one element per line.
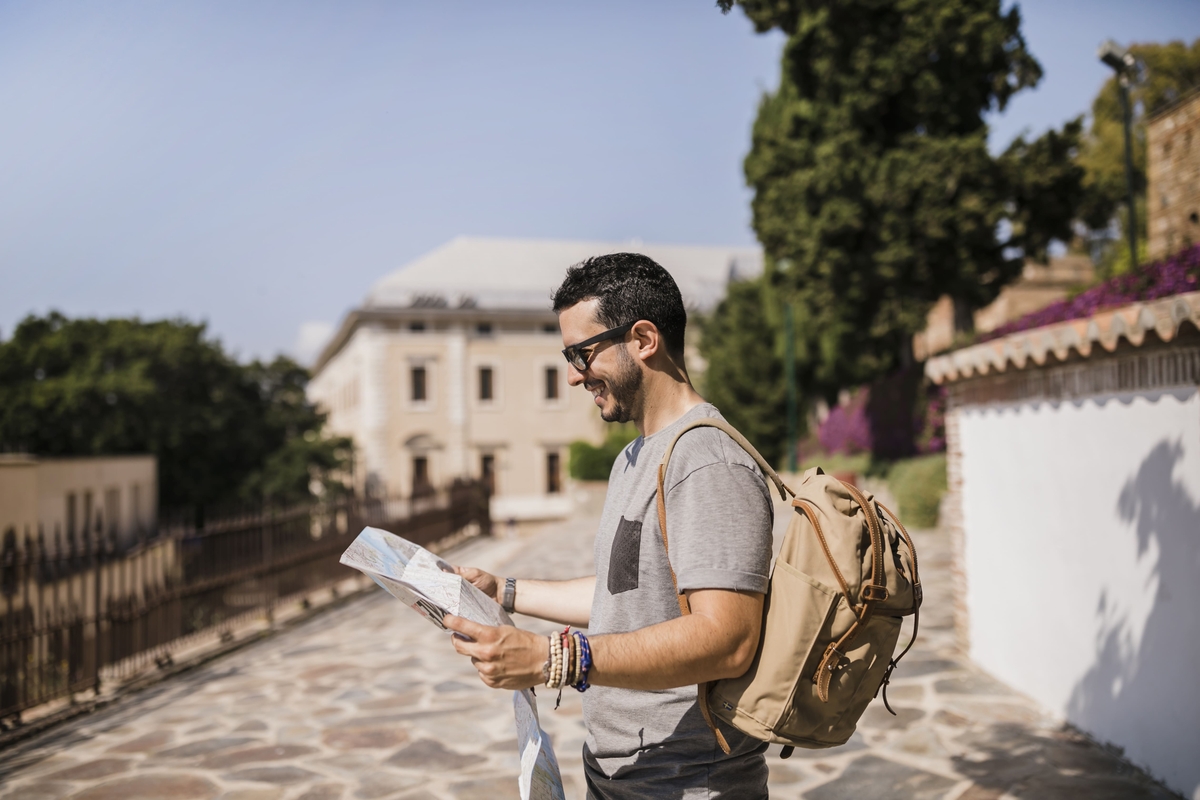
<point x="874" y="594"/>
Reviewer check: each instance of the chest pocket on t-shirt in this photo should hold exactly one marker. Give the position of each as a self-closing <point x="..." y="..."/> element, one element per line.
<point x="626" y="557"/>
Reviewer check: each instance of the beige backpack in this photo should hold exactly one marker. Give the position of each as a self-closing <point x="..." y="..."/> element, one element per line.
<point x="831" y="620"/>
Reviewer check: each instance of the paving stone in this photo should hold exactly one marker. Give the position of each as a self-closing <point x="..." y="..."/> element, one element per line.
<point x="251" y="755"/>
<point x="251" y="725"/>
<point x="876" y="716"/>
<point x="944" y="717"/>
<point x="365" y="738"/>
<point x="485" y="790"/>
<point x="144" y="743"/>
<point x="253" y="794"/>
<point x="921" y="741"/>
<point x="280" y="775"/>
<point x="89" y="770"/>
<point x="783" y="773"/>
<point x="453" y="686"/>
<point x="971" y="683"/>
<point x="916" y="667"/>
<point x="204" y="747"/>
<point x="156" y="786"/>
<point x="384" y="784"/>
<point x="324" y="791"/>
<point x="871" y="776"/>
<point x="428" y="754"/>
<point x="37" y="791"/>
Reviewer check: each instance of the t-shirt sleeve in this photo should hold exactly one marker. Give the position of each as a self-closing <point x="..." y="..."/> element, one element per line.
<point x="719" y="527"/>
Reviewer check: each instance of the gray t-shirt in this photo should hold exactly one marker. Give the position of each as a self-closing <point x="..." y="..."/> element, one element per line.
<point x="655" y="743"/>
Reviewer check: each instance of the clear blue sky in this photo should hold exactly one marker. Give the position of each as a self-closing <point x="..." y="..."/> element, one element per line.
<point x="260" y="165"/>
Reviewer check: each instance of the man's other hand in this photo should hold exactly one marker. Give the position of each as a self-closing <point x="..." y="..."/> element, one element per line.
<point x="506" y="657"/>
<point x="485" y="582"/>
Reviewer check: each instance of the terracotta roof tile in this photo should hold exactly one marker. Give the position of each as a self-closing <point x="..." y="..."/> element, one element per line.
<point x="1034" y="347"/>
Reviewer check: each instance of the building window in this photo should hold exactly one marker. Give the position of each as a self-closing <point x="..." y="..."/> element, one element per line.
<point x="486" y="389"/>
<point x="72" y="519"/>
<point x="421" y="484"/>
<point x="420" y="389"/>
<point x="487" y="471"/>
<point x="548" y="328"/>
<point x="551" y="383"/>
<point x="553" y="478"/>
<point x="484" y="329"/>
<point x="416" y="327"/>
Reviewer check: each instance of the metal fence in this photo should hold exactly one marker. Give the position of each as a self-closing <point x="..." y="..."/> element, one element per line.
<point x="74" y="611"/>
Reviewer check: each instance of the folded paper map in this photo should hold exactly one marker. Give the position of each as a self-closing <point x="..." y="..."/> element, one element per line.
<point x="429" y="586"/>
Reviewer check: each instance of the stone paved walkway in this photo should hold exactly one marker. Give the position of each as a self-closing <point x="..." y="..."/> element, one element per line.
<point x="370" y="701"/>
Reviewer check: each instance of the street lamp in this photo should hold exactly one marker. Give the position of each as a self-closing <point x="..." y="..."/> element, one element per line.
<point x="1124" y="65"/>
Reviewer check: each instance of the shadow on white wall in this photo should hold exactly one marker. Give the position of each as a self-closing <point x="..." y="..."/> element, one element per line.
<point x="1143" y="690"/>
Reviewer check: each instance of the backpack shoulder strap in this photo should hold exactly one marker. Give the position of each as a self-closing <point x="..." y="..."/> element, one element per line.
<point x="684" y="609"/>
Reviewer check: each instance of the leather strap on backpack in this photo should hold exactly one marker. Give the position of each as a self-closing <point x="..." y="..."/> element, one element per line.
<point x="661" y="494"/>
<point x="874" y="591"/>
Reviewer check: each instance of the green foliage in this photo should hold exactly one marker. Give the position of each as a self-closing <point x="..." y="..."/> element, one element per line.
<point x="586" y="462"/>
<point x="1168" y="72"/>
<point x="742" y="342"/>
<point x="918" y="485"/>
<point x="222" y="431"/>
<point x="874" y="191"/>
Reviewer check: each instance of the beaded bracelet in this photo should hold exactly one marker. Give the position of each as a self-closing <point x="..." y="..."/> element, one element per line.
<point x="585" y="663"/>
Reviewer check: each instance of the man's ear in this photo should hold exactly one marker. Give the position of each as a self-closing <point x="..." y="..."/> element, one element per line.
<point x="646" y="338"/>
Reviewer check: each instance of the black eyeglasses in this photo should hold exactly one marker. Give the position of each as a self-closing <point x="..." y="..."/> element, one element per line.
<point x="580" y="354"/>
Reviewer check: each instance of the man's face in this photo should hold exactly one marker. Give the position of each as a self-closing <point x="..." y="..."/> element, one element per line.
<point x="613" y="376"/>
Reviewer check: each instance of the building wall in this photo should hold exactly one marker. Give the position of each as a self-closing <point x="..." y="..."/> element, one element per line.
<point x="1173" y="178"/>
<point x="1080" y="544"/>
<point x="18" y="494"/>
<point x="453" y="428"/>
<point x="117" y="493"/>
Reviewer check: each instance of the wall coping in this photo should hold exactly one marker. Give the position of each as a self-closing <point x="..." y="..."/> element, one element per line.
<point x="1026" y="349"/>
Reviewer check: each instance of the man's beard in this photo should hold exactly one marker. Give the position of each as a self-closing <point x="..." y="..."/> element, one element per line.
<point x="624" y="389"/>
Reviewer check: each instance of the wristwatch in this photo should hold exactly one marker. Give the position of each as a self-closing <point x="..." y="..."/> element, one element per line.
<point x="510" y="595"/>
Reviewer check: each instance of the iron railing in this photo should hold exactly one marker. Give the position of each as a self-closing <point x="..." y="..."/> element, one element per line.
<point x="74" y="611"/>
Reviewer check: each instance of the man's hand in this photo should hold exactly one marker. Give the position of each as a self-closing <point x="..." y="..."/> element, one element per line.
<point x="485" y="582"/>
<point x="506" y="657"/>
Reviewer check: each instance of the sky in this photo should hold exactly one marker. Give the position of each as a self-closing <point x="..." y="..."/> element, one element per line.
<point x="258" y="166"/>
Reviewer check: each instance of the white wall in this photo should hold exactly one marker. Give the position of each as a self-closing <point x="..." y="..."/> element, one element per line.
<point x="1082" y="554"/>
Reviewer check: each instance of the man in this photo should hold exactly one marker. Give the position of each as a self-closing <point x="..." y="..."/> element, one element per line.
<point x="623" y="320"/>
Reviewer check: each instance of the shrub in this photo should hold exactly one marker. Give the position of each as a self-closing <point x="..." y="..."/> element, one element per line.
<point x="586" y="462"/>
<point x="918" y="485"/>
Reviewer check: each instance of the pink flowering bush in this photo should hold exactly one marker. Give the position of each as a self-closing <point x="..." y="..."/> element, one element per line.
<point x="1178" y="274"/>
<point x="847" y="428"/>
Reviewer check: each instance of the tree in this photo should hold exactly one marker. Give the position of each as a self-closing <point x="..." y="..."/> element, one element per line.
<point x="221" y="431"/>
<point x="874" y="191"/>
<point x="741" y="341"/>
<point x="1168" y="72"/>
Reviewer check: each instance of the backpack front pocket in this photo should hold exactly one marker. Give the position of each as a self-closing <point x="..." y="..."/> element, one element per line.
<point x="791" y="632"/>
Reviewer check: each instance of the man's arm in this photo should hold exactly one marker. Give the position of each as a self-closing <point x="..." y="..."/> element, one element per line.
<point x="568" y="602"/>
<point x="717" y="640"/>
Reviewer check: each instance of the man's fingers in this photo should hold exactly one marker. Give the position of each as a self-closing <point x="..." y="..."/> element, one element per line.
<point x="467" y="627"/>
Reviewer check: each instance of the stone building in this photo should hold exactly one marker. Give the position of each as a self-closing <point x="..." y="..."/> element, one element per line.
<point x="114" y="495"/>
<point x="1073" y="458"/>
<point x="1173" y="177"/>
<point x="452" y="367"/>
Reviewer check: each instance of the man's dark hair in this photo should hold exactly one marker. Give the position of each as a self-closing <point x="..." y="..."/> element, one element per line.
<point x="629" y="286"/>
